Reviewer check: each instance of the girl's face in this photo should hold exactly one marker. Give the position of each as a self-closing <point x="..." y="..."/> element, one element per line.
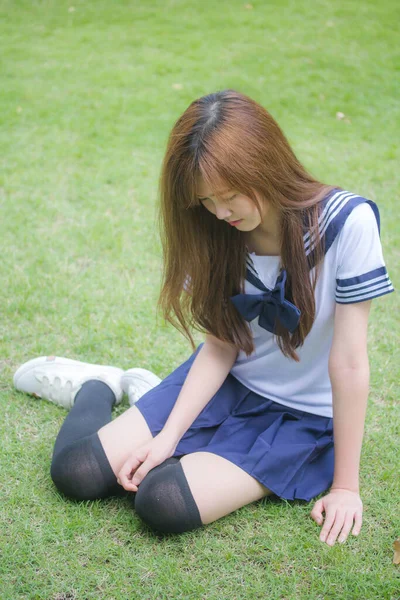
<point x="232" y="207"/>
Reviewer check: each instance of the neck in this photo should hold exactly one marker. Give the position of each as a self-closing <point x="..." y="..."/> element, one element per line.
<point x="266" y="238"/>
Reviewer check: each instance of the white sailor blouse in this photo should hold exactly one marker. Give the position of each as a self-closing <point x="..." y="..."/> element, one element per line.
<point x="353" y="270"/>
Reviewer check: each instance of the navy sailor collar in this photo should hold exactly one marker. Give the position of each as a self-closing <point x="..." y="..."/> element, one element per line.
<point x="271" y="305"/>
<point x="335" y="209"/>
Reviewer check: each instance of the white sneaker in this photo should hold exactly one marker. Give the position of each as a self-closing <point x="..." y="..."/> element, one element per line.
<point x="136" y="382"/>
<point x="59" y="379"/>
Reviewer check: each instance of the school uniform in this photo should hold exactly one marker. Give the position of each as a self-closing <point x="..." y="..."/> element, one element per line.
<point x="272" y="416"/>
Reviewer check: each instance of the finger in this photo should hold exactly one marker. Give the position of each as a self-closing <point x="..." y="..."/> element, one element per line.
<point x="129" y="486"/>
<point x="143" y="470"/>
<point x="316" y="512"/>
<point x="126" y="483"/>
<point x="330" y="514"/>
<point x="129" y="467"/>
<point x="134" y="461"/>
<point x="124" y="480"/>
<point x="126" y="473"/>
<point x="336" y="527"/>
<point x="358" y="523"/>
<point x="348" y="523"/>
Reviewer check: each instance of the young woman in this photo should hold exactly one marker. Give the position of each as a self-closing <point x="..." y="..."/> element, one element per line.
<point x="279" y="271"/>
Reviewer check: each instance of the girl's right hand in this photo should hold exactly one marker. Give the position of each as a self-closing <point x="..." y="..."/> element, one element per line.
<point x="151" y="454"/>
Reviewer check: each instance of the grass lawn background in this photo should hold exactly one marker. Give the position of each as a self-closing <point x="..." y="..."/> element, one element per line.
<point x="88" y="94"/>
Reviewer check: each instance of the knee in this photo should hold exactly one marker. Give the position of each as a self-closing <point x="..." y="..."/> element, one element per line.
<point x="63" y="474"/>
<point x="164" y="500"/>
<point x="76" y="474"/>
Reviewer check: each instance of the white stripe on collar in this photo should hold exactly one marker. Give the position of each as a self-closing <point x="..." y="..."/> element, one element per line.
<point x="333" y="208"/>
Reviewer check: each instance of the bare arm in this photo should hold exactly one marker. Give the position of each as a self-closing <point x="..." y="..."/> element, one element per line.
<point x="207" y="373"/>
<point x="349" y="374"/>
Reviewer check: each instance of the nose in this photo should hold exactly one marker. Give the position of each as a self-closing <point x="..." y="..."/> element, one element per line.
<point x="222" y="211"/>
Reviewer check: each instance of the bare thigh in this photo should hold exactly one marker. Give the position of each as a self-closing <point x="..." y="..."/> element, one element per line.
<point x="123" y="435"/>
<point x="218" y="486"/>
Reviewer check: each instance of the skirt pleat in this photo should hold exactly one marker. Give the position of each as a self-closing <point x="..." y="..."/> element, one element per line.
<point x="288" y="451"/>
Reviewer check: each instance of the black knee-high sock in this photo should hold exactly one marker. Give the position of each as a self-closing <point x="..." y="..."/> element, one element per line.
<point x="80" y="468"/>
<point x="90" y="412"/>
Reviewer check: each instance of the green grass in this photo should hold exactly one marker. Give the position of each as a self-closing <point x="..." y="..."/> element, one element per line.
<point x="88" y="97"/>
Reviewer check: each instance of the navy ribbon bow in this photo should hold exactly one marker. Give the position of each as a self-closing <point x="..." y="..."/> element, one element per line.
<point x="269" y="306"/>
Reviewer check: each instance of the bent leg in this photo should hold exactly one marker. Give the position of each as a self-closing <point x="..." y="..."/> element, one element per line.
<point x="80" y="466"/>
<point x="164" y="500"/>
<point x="202" y="487"/>
<point x="219" y="487"/>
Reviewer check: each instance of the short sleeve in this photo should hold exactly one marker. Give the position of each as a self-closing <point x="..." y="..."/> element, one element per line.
<point x="361" y="272"/>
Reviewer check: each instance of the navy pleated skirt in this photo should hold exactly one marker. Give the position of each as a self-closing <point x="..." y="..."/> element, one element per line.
<point x="289" y="451"/>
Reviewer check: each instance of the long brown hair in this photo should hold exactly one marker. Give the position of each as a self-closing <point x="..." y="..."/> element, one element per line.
<point x="228" y="137"/>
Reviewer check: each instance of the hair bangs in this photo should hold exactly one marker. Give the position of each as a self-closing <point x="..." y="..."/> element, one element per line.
<point x="217" y="175"/>
<point x="221" y="177"/>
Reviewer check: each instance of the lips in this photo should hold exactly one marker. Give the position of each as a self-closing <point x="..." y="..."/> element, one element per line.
<point x="233" y="223"/>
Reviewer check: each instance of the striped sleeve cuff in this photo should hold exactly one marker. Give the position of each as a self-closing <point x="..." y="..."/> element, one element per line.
<point x="364" y="287"/>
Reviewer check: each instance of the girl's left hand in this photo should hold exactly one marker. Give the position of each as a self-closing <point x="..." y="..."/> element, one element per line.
<point x="342" y="507"/>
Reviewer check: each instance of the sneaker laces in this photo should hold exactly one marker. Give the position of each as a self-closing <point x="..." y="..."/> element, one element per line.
<point x="59" y="389"/>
